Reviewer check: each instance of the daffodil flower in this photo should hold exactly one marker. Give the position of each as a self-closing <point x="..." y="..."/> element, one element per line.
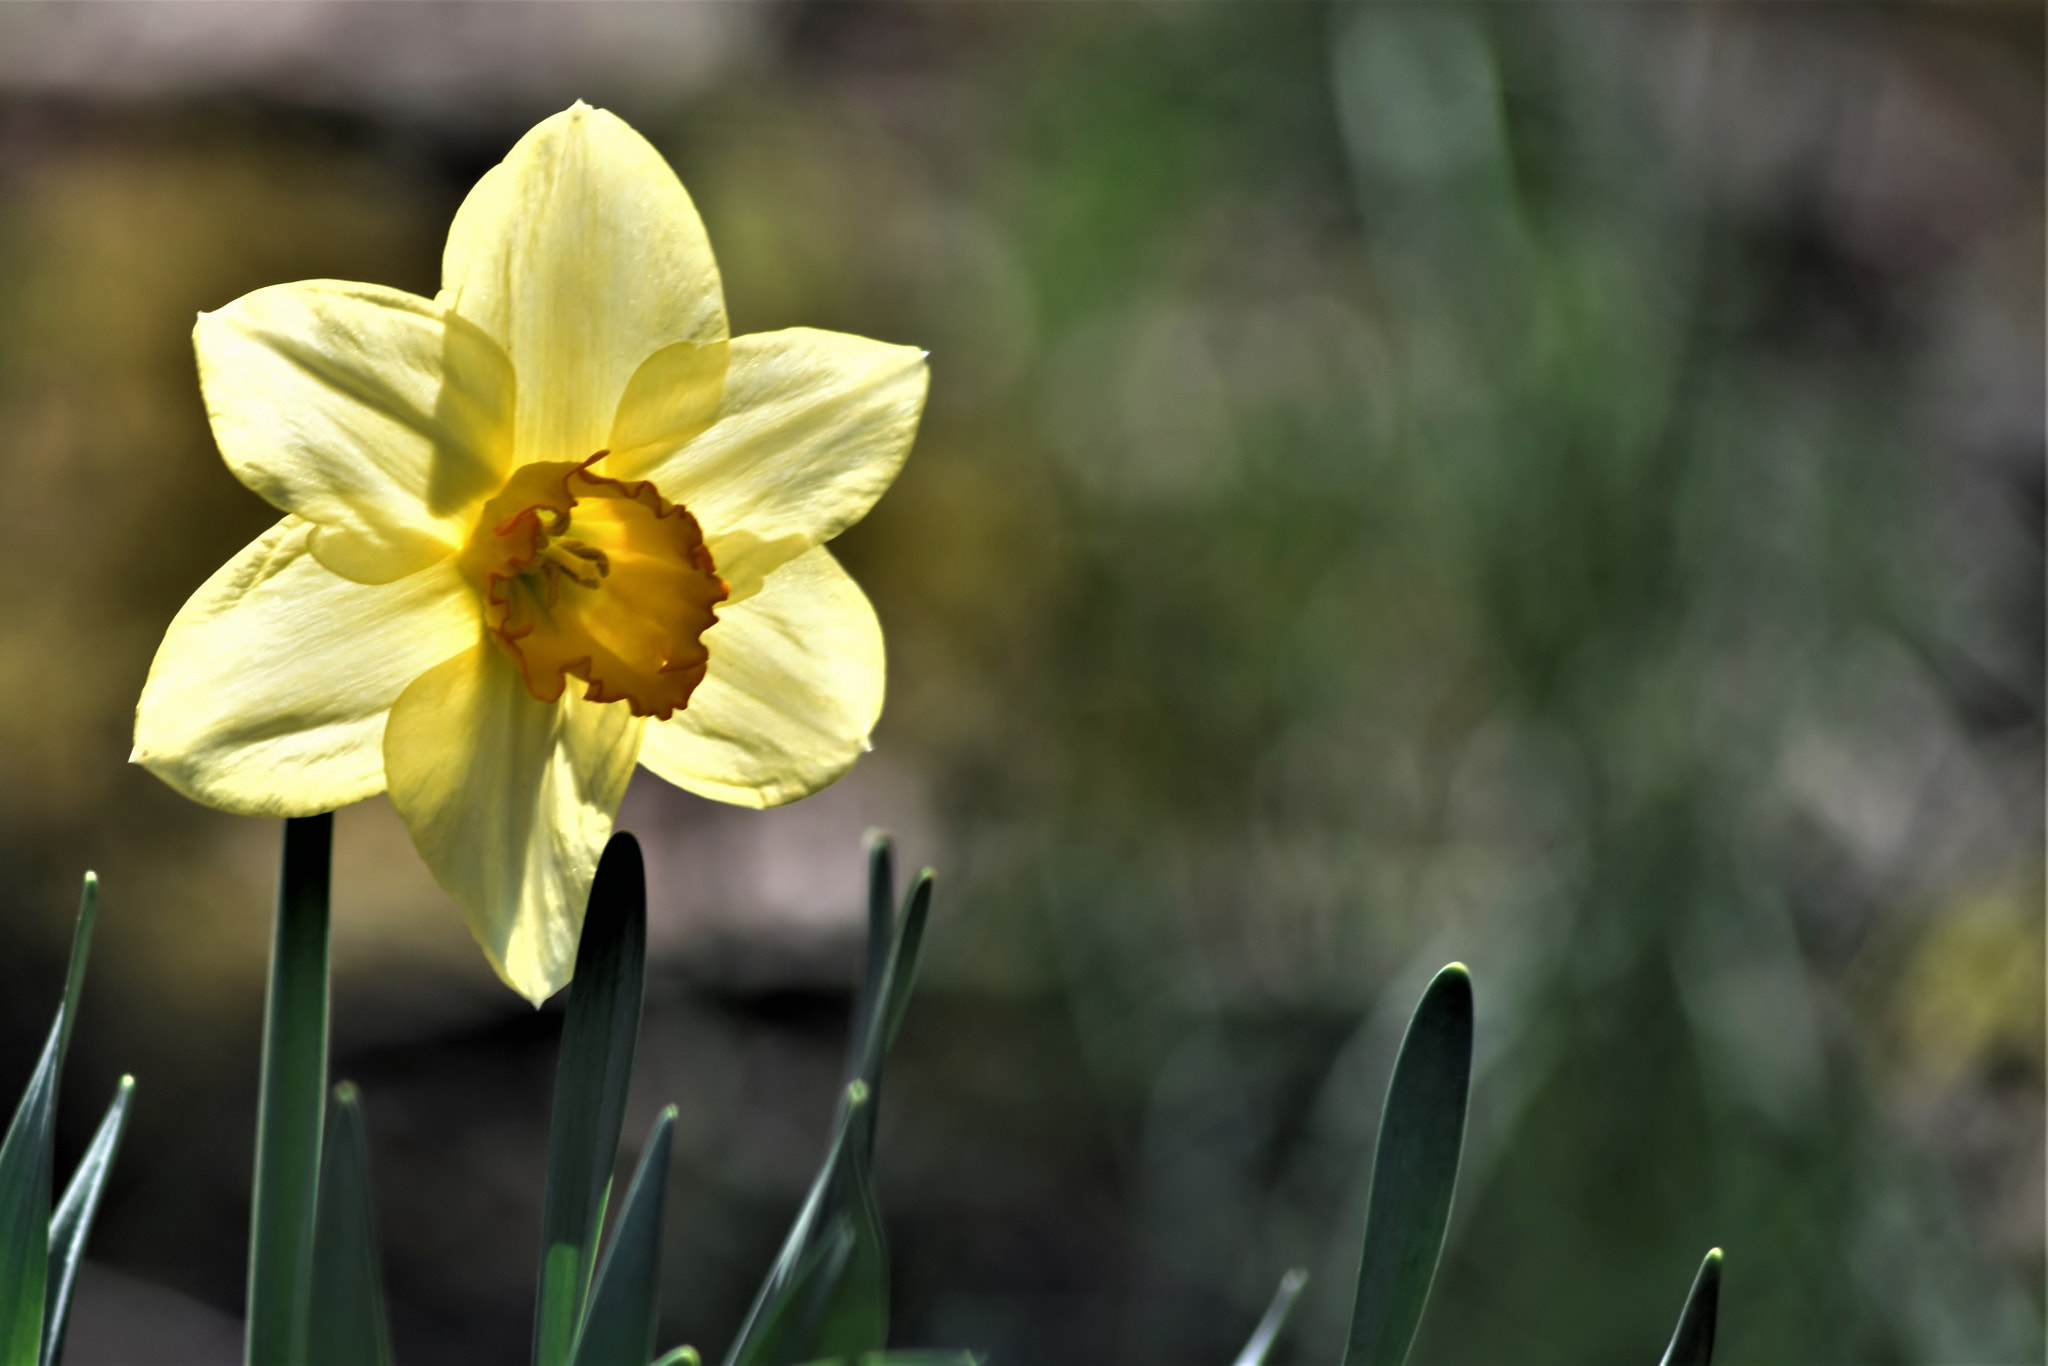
<point x="545" y="525"/>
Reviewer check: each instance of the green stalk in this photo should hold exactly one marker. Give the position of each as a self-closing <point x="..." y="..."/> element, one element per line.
<point x="291" y="1107"/>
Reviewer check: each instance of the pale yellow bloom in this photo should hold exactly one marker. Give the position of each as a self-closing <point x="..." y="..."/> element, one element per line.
<point x="547" y="524"/>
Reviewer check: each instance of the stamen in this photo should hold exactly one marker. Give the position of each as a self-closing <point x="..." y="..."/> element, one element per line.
<point x="586" y="564"/>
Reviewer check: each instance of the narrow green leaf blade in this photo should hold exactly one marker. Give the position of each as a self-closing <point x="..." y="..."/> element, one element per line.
<point x="887" y="1004"/>
<point x="72" y="1223"/>
<point x="25" y="1183"/>
<point x="811" y="1305"/>
<point x="790" y="1319"/>
<point x="828" y="1291"/>
<point x="291" y="1106"/>
<point x="881" y="931"/>
<point x="1692" y="1343"/>
<point x="902" y="973"/>
<point x="626" y="1299"/>
<point x="854" y="1316"/>
<point x="600" y="1030"/>
<point x="1268" y="1331"/>
<point x="679" y="1356"/>
<point x="345" y="1320"/>
<point x="26" y="1159"/>
<point x="1415" y="1172"/>
<point x="81" y="949"/>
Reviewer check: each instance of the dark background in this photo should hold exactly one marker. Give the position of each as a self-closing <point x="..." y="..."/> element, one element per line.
<point x="1556" y="486"/>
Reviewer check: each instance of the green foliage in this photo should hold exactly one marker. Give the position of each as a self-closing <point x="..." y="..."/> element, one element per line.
<point x="1692" y="1342"/>
<point x="619" y="1328"/>
<point x="26" y="1159"/>
<point x="1414" y="1173"/>
<point x="1268" y="1331"/>
<point x="1414" y="1177"/>
<point x="24" y="1214"/>
<point x="827" y="1296"/>
<point x="40" y="1250"/>
<point x="345" y="1310"/>
<point x="314" y="1278"/>
<point x="599" y="1031"/>
<point x="72" y="1222"/>
<point x="292" y="1102"/>
<point x="827" y="1293"/>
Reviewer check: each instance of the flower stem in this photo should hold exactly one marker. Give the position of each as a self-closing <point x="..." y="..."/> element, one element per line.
<point x="291" y="1107"/>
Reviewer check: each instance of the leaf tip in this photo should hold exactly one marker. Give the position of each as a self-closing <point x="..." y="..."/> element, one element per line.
<point x="1452" y="985"/>
<point x="88" y="904"/>
<point x="622" y="844"/>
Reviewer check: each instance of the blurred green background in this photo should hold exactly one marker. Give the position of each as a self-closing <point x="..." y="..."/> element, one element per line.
<point x="1555" y="485"/>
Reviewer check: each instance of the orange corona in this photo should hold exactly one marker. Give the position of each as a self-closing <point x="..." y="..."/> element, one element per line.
<point x="589" y="576"/>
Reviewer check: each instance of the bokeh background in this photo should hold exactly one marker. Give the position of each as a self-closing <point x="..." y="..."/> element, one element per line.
<point x="1557" y="485"/>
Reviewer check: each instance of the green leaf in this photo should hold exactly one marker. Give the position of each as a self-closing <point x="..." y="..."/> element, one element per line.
<point x="893" y="946"/>
<point x="881" y="930"/>
<point x="1414" y="1172"/>
<point x="72" y="1223"/>
<point x="855" y="1309"/>
<point x="291" y="1106"/>
<point x="1263" y="1337"/>
<point x="885" y="1005"/>
<point x="25" y="1211"/>
<point x="26" y="1158"/>
<point x="81" y="949"/>
<point x="679" y="1356"/>
<point x="792" y="1317"/>
<point x="1692" y="1343"/>
<point x="828" y="1290"/>
<point x="901" y="974"/>
<point x="599" y="1032"/>
<point x="345" y="1321"/>
<point x="619" y="1328"/>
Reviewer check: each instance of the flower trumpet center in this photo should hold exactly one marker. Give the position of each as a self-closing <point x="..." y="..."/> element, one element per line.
<point x="608" y="581"/>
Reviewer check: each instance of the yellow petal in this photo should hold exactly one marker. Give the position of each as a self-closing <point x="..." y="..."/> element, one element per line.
<point x="510" y="802"/>
<point x="582" y="254"/>
<point x="368" y="411"/>
<point x="811" y="428"/>
<point x="670" y="399"/>
<point x="794" y="688"/>
<point x="269" y="693"/>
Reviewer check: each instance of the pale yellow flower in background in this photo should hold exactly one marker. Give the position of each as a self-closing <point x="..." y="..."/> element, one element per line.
<point x="543" y="526"/>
